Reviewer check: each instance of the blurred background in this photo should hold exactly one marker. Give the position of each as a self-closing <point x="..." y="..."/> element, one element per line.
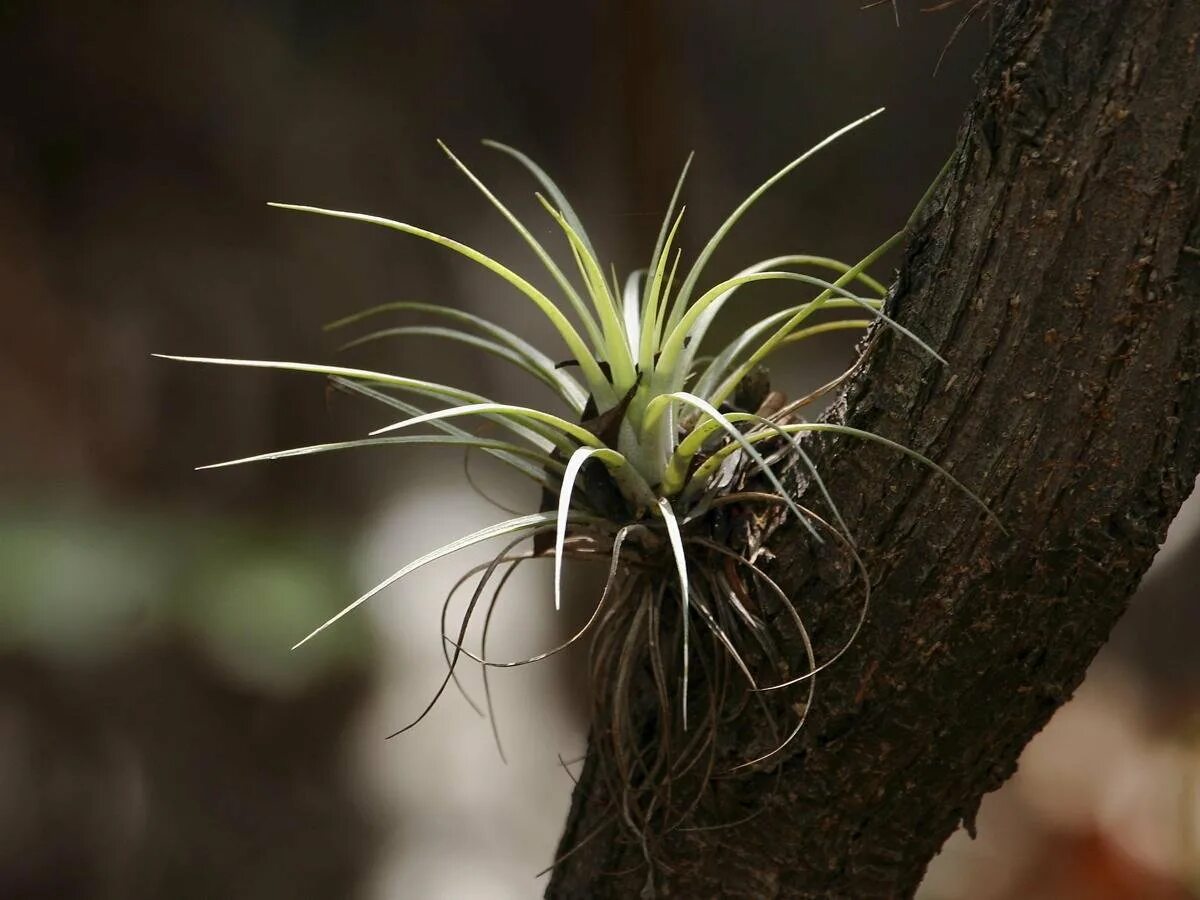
<point x="157" y="738"/>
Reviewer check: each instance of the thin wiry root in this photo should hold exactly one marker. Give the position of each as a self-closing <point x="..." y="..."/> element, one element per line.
<point x="446" y="644"/>
<point x="490" y="568"/>
<point x="487" y="683"/>
<point x="962" y="23"/>
<point x="478" y="489"/>
<point x="659" y="767"/>
<point x="454" y="588"/>
<point x="608" y="587"/>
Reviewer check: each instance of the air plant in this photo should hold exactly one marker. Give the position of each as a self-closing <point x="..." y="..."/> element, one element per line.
<point x="654" y="453"/>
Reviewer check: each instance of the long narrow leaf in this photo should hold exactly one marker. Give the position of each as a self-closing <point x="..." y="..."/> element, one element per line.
<point x="569" y="386"/>
<point x="610" y="583"/>
<point x="695" y="321"/>
<point x="676" y="541"/>
<point x="595" y="378"/>
<point x="827" y="262"/>
<point x="511" y="526"/>
<point x="698" y="331"/>
<point x="731" y="382"/>
<point x="689" y="284"/>
<point x="719" y="364"/>
<point x="556" y="273"/>
<point x="426" y="388"/>
<point x="826" y="328"/>
<point x="658" y="321"/>
<point x="655" y="297"/>
<point x="631" y="303"/>
<point x="660" y="242"/>
<point x="546" y="376"/>
<point x="631" y="483"/>
<point x="522" y="413"/>
<point x="430" y="388"/>
<point x="616" y="342"/>
<point x="437" y="440"/>
<point x="709" y="466"/>
<point x="522" y="465"/>
<point x="681" y="461"/>
<point x="574" y="465"/>
<point x="559" y="198"/>
<point x="811" y="467"/>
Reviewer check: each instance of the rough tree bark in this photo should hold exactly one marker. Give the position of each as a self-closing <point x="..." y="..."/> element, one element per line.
<point x="1056" y="270"/>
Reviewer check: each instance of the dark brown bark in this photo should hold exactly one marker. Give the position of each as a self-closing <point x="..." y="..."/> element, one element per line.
<point x="1052" y="270"/>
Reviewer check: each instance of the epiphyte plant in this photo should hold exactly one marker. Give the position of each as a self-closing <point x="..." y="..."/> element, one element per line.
<point x="658" y="455"/>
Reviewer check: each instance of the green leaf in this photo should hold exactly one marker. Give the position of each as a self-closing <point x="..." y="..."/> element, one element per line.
<point x="502" y="335"/>
<point x="436" y="440"/>
<point x="537" y="473"/>
<point x="808" y="464"/>
<point x="559" y="198"/>
<point x="661" y="242"/>
<point x="825" y="328"/>
<point x="546" y="376"/>
<point x="595" y="378"/>
<point x="649" y="344"/>
<point x="616" y="342"/>
<point x="556" y="273"/>
<point x="698" y="332"/>
<point x="689" y="284"/>
<point x="826" y="262"/>
<point x="719" y="364"/>
<point x="728" y="386"/>
<point x="658" y="321"/>
<point x="673" y="362"/>
<point x="521" y="413"/>
<point x="674" y="480"/>
<point x="427" y="388"/>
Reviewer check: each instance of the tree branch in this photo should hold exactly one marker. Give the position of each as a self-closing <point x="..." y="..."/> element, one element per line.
<point x="1050" y="271"/>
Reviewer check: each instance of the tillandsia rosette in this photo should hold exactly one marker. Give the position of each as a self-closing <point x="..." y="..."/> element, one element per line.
<point x="653" y="452"/>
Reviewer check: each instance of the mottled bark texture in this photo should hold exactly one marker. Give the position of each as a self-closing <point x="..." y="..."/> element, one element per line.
<point x="1055" y="269"/>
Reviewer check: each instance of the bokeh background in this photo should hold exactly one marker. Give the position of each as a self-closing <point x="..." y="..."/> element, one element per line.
<point x="157" y="738"/>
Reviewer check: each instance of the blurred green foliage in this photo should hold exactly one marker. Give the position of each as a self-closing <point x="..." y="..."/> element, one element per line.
<point x="82" y="584"/>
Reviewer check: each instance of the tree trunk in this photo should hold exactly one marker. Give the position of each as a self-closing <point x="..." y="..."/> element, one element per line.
<point x="1056" y="270"/>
